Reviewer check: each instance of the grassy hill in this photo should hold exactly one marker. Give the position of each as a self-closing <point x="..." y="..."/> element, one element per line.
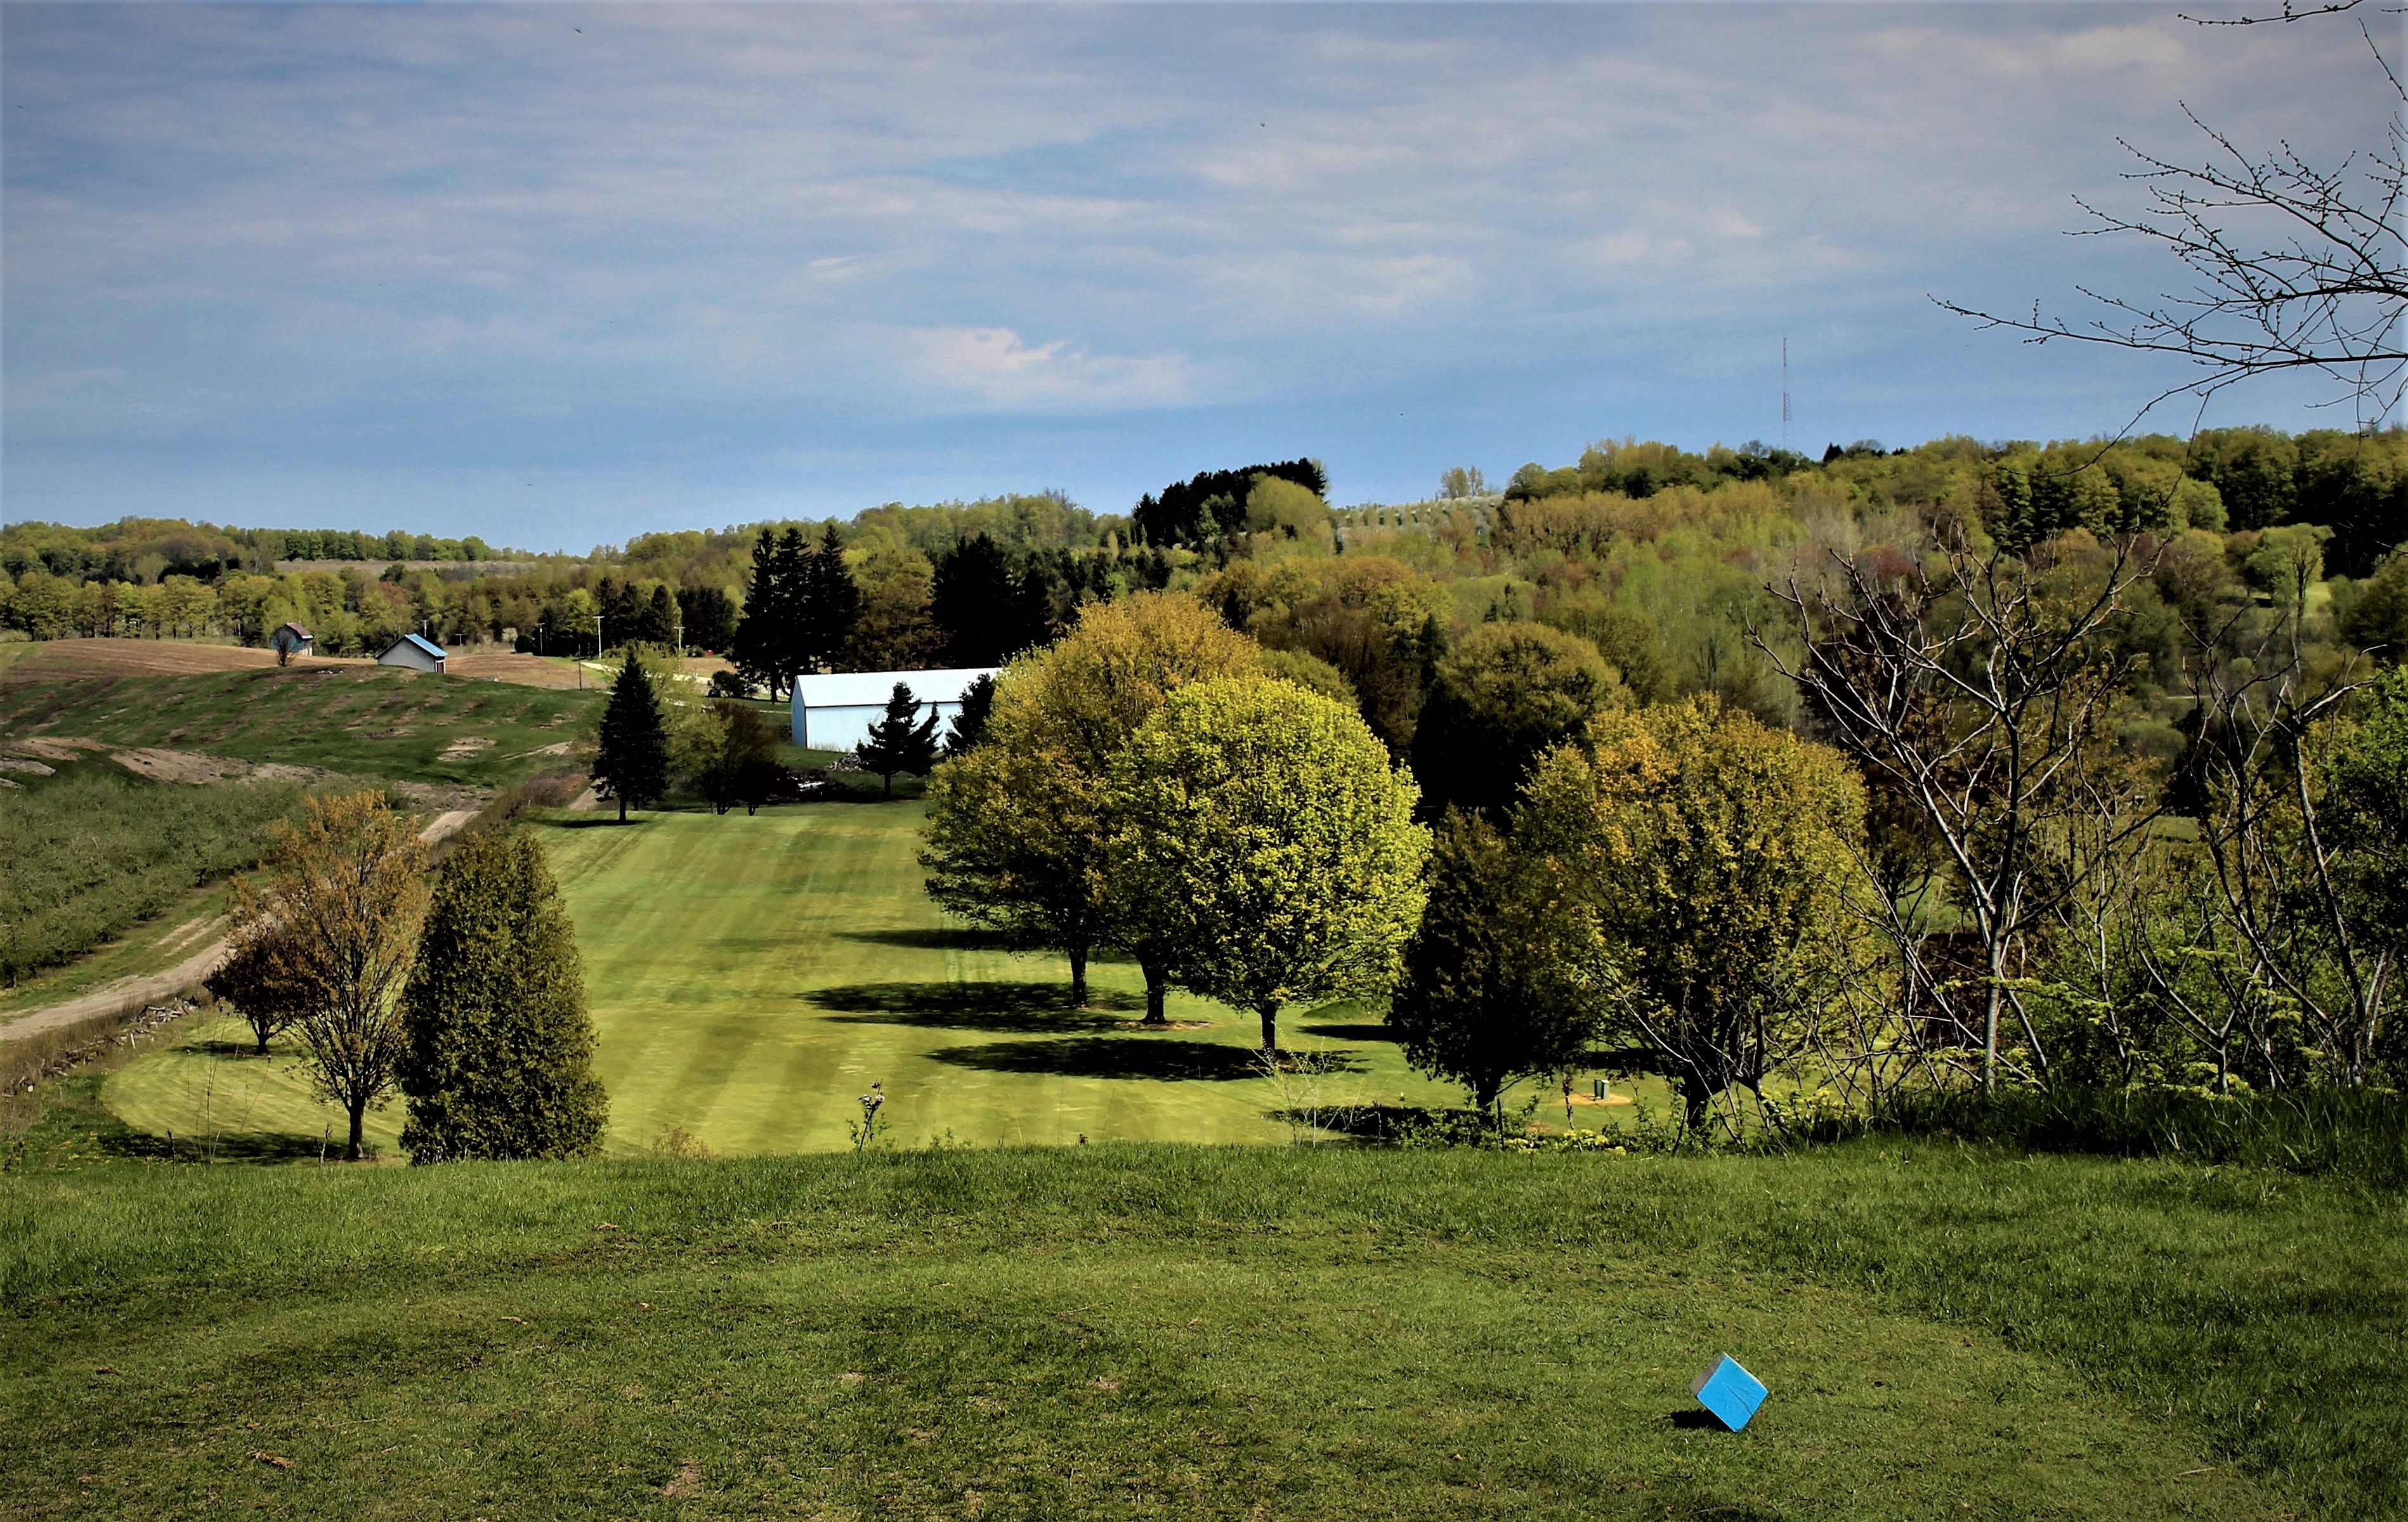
<point x="362" y="720"/>
<point x="1158" y="1331"/>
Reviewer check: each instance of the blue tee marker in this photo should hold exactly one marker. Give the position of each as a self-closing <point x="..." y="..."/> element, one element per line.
<point x="1730" y="1391"/>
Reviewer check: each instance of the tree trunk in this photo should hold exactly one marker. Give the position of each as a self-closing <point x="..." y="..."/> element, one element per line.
<point x="1990" y="1022"/>
<point x="622" y="808"/>
<point x="1271" y="1028"/>
<point x="1077" y="977"/>
<point x="359" y="1116"/>
<point x="1158" y="979"/>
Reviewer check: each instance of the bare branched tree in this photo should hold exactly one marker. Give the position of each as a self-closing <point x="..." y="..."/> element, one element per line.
<point x="1978" y="688"/>
<point x="2273" y="868"/>
<point x="2295" y="267"/>
<point x="325" y="946"/>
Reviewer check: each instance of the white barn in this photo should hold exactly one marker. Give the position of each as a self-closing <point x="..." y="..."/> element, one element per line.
<point x="834" y="712"/>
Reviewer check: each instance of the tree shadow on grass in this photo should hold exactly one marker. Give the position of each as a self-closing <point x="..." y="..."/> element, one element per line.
<point x="1109" y="1057"/>
<point x="951" y="938"/>
<point x="1009" y="1009"/>
<point x="1349" y="1033"/>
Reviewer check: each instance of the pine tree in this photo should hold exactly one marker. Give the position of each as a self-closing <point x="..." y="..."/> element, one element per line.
<point x="973" y="602"/>
<point x="634" y="763"/>
<point x="754" y="645"/>
<point x="834" y="606"/>
<point x="970" y="725"/>
<point x="660" y="620"/>
<point x="791" y="641"/>
<point x="498" y="1061"/>
<point x="901" y="741"/>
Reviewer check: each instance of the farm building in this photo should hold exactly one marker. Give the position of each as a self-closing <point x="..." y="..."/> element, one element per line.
<point x="416" y="653"/>
<point x="835" y="712"/>
<point x="291" y="639"/>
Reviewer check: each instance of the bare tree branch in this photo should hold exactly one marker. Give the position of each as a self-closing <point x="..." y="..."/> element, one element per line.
<point x="2295" y="267"/>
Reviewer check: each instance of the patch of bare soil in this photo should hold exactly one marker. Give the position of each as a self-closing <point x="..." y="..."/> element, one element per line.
<point x="53" y="747"/>
<point x="393" y="733"/>
<point x="179" y="765"/>
<point x="27" y="768"/>
<point x="147" y="657"/>
<point x="558" y="747"/>
<point x="522" y="670"/>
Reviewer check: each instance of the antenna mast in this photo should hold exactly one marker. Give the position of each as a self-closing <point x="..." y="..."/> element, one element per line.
<point x="1784" y="393"/>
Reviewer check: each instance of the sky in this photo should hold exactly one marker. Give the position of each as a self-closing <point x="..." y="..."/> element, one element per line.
<point x="561" y="273"/>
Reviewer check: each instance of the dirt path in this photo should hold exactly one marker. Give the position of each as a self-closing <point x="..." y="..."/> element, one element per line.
<point x="124" y="995"/>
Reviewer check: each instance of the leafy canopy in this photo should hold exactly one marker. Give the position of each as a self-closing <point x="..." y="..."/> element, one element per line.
<point x="1262" y="839"/>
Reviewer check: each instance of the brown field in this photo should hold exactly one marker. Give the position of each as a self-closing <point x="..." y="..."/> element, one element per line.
<point x="72" y="657"/>
<point x="84" y="659"/>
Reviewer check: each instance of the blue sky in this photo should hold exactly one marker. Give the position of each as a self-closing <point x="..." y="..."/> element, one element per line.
<point x="561" y="273"/>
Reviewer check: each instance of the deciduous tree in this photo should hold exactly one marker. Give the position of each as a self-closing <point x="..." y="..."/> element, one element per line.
<point x="1017" y="824"/>
<point x="327" y="939"/>
<point x="1262" y="841"/>
<point x="1718" y="857"/>
<point x="1504" y="697"/>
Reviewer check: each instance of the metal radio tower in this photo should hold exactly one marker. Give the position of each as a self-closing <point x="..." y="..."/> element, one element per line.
<point x="1784" y="393"/>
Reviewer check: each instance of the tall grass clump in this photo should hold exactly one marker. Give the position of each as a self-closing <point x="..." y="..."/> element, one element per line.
<point x="88" y="854"/>
<point x="2354" y="1134"/>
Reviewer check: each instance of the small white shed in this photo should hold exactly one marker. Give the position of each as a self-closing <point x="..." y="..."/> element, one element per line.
<point x="834" y="712"/>
<point x="416" y="653"/>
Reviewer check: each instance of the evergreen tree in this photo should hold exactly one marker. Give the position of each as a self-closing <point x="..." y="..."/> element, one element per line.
<point x="709" y="617"/>
<point x="974" y="601"/>
<point x="634" y="763"/>
<point x="1504" y="979"/>
<point x="832" y="604"/>
<point x="970" y="726"/>
<point x="769" y="643"/>
<point x="757" y="641"/>
<point x="498" y="1061"/>
<point x="902" y="741"/>
<point x="658" y="625"/>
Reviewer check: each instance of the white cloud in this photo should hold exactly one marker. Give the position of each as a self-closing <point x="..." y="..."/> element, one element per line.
<point x="996" y="367"/>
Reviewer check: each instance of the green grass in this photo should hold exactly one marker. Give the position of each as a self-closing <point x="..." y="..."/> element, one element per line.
<point x="750" y="975"/>
<point x="375" y="721"/>
<point x="1138" y="1331"/>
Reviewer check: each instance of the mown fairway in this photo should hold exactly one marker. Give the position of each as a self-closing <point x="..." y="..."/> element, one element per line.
<point x="750" y="976"/>
<point x="1241" y="1333"/>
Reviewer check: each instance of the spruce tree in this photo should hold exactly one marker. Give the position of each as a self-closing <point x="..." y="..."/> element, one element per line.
<point x="754" y="643"/>
<point x="498" y="1058"/>
<point x="791" y="640"/>
<point x="970" y="726"/>
<point x="901" y="741"/>
<point x="835" y="605"/>
<point x="634" y="763"/>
